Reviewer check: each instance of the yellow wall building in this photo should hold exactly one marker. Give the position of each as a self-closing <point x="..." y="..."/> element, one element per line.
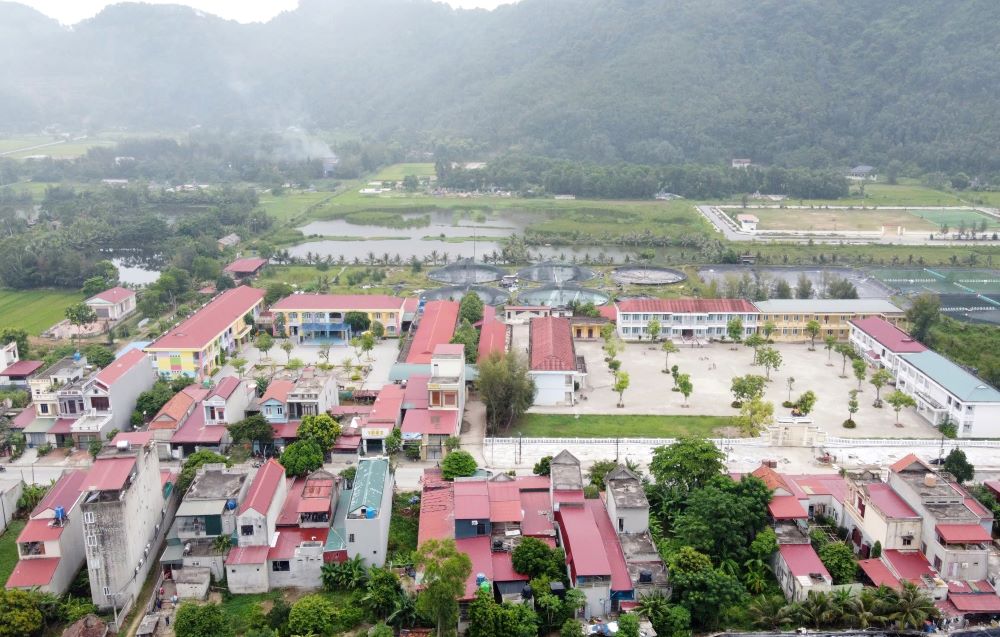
<point x="790" y="316"/>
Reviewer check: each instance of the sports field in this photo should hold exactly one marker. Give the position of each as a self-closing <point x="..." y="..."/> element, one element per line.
<point x="954" y="219"/>
<point x="826" y="220"/>
<point x="35" y="310"/>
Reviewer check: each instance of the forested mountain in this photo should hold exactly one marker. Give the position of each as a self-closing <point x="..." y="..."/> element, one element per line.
<point x="806" y="83"/>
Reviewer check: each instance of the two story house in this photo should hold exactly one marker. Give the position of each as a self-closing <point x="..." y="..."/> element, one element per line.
<point x="552" y="361"/>
<point x="446" y="395"/>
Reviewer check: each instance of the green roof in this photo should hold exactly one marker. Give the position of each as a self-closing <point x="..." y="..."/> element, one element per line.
<point x="336" y="539"/>
<point x="369" y="484"/>
<point x="956" y="380"/>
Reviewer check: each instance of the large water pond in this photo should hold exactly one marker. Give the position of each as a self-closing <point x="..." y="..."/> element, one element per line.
<point x="134" y="271"/>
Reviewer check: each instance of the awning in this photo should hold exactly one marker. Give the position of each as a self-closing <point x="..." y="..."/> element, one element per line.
<point x="985" y="603"/>
<point x="173" y="555"/>
<point x="963" y="533"/>
<point x="878" y="573"/>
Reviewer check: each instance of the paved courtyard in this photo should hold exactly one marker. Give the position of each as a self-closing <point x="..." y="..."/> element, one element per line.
<point x="712" y="368"/>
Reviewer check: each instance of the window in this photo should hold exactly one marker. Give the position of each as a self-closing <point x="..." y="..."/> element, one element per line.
<point x="43" y="408"/>
<point x="907" y="541"/>
<point x="350" y="538"/>
<point x="246" y="529"/>
<point x="88" y="517"/>
<point x="107" y="591"/>
<point x="481" y="529"/>
<point x="92" y="540"/>
<point x="280" y="566"/>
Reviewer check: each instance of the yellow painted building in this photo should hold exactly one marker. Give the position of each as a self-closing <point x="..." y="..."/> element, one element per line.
<point x="790" y="316"/>
<point x="196" y="346"/>
<point x="311" y="317"/>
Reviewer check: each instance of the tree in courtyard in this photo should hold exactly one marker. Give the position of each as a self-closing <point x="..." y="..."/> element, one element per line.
<point x="279" y="324"/>
<point x="686" y="465"/>
<point x="458" y="464"/>
<point x="770" y="358"/>
<point x="685" y="386"/>
<point x="378" y="330"/>
<point x="803" y="288"/>
<point x="607" y="332"/>
<point x="357" y="321"/>
<point x="321" y="429"/>
<point x="621" y="384"/>
<point x="768" y="328"/>
<point x="898" y="400"/>
<point x="922" y="315"/>
<point x="489" y="619"/>
<point x="19" y="614"/>
<point x="506" y="388"/>
<point x="845" y="352"/>
<point x="653" y="329"/>
<point x="201" y="620"/>
<point x="598" y="471"/>
<point x="668" y="348"/>
<point x="470" y="308"/>
<point x="468" y="337"/>
<point x="264" y="343"/>
<point x="790" y="382"/>
<point x="852" y="408"/>
<point x="80" y="315"/>
<point x="841" y="288"/>
<point x="838" y="558"/>
<point x="534" y="558"/>
<point x="367" y="344"/>
<point x="571" y="628"/>
<point x="302" y="457"/>
<point x="252" y="429"/>
<point x="860" y="369"/>
<point x="700" y="588"/>
<point x="734" y="329"/>
<point x="747" y="388"/>
<point x="445" y="571"/>
<point x="829" y="341"/>
<point x="754" y="342"/>
<point x="287" y="347"/>
<point x="958" y="465"/>
<point x="755" y="415"/>
<point x="879" y="378"/>
<point x="312" y="614"/>
<point x="812" y="329"/>
<point x="806" y="403"/>
<point x="628" y="625"/>
<point x="911" y="607"/>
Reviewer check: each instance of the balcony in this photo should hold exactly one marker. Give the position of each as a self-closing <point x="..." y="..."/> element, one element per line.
<point x="320" y="324"/>
<point x="91" y="422"/>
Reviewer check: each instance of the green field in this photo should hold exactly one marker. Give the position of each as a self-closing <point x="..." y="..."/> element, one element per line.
<point x="626" y="426"/>
<point x="292" y="203"/>
<point x="955" y="218"/>
<point x="878" y="194"/>
<point x="26" y="146"/>
<point x="396" y="172"/>
<point x="8" y="548"/>
<point x="34" y="310"/>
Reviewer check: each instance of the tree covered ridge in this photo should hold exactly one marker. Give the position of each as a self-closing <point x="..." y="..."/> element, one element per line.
<point x="803" y="83"/>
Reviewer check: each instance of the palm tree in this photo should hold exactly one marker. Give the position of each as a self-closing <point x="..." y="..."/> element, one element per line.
<point x="404" y="615"/>
<point x="842" y="601"/>
<point x="755" y="575"/>
<point x="912" y="608"/>
<point x="766" y="611"/>
<point x="866" y="609"/>
<point x="655" y="604"/>
<point x="817" y="609"/>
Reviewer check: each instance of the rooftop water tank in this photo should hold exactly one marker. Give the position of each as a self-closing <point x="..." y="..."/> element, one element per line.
<point x="370" y="514"/>
<point x="480" y="578"/>
<point x="231" y="504"/>
<point x="60" y="513"/>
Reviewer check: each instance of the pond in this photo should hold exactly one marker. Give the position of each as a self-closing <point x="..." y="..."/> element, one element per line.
<point x="134" y="273"/>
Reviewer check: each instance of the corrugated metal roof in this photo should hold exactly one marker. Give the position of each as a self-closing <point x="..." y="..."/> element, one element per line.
<point x="686" y="306"/>
<point x="197" y="331"/>
<point x="888" y="335"/>
<point x="369" y="484"/>
<point x="437" y="326"/>
<point x="827" y="306"/>
<point x="956" y="380"/>
<point x="551" y="345"/>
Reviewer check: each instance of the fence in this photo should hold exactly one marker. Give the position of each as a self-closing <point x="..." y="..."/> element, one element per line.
<point x="750" y="442"/>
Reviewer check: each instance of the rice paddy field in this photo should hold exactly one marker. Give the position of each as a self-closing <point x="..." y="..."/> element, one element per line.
<point x="35" y="310"/>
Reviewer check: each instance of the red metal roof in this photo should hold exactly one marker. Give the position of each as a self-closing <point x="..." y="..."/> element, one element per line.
<point x="786" y="507"/>
<point x="133" y="438"/>
<point x="963" y="533"/>
<point x="108" y="474"/>
<point x="888" y="335"/>
<point x="290" y="538"/>
<point x="121" y="366"/>
<point x="878" y="573"/>
<point x="198" y="330"/>
<point x="471" y="507"/>
<point x="427" y="421"/>
<point x="584" y="545"/>
<point x="982" y="603"/>
<point x="411" y="304"/>
<point x="437" y="326"/>
<point x="63" y="426"/>
<point x="505" y="511"/>
<point x="415" y="394"/>
<point x="289" y="513"/>
<point x="388" y="405"/>
<point x="536" y="506"/>
<point x="114" y="295"/>
<point x="889" y="502"/>
<point x="263" y="488"/>
<point x="830" y="484"/>
<point x="910" y="565"/>
<point x="551" y="345"/>
<point x="448" y="349"/>
<point x="906" y="461"/>
<point x="167" y="475"/>
<point x="609" y="312"/>
<point x="35" y="572"/>
<point x="177" y="407"/>
<point x="993" y="486"/>
<point x="278" y="390"/>
<point x="437" y="508"/>
<point x="64" y="493"/>
<point x="23" y="419"/>
<point x="620" y="580"/>
<point x="247" y="555"/>
<point x="249" y="265"/>
<point x="225" y="388"/>
<point x="22" y="368"/>
<point x="40" y="530"/>
<point x="503" y="568"/>
<point x="478" y="550"/>
<point x="286" y="430"/>
<point x="802" y="560"/>
<point x="353" y="410"/>
<point x="687" y="306"/>
<point x="970" y="586"/>
<point x="195" y="431"/>
<point x="339" y="302"/>
<point x="492" y="339"/>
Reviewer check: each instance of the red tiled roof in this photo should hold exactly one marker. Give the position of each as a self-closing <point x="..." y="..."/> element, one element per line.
<point x="23" y="419"/>
<point x="387" y="406"/>
<point x="278" y="390"/>
<point x="290" y="538"/>
<point x="436" y="326"/>
<point x="225" y="388"/>
<point x="911" y="565"/>
<point x="536" y="506"/>
<point x="343" y="302"/>
<point x="263" y="488"/>
<point x="994" y="486"/>
<point x="563" y="496"/>
<point x="551" y="345"/>
<point x="427" y="421"/>
<point x="63" y="426"/>
<point x="620" y="580"/>
<point x="133" y="438"/>
<point x="114" y="295"/>
<point x="982" y="603"/>
<point x="786" y="507"/>
<point x="878" y="573"/>
<point x="64" y="493"/>
<point x="198" y="330"/>
<point x="248" y="265"/>
<point x="36" y="572"/>
<point x="437" y="508"/>
<point x="492" y="339"/>
<point x="802" y="560"/>
<point x="347" y="442"/>
<point x="121" y="366"/>
<point x="830" y="484"/>
<point x="22" y="368"/>
<point x="963" y="533"/>
<point x="772" y="479"/>
<point x="609" y="312"/>
<point x="888" y="335"/>
<point x="889" y="502"/>
<point x="584" y="545"/>
<point x="174" y="410"/>
<point x="247" y="555"/>
<point x="687" y="306"/>
<point x="286" y="430"/>
<point x="108" y="474"/>
<point x="906" y="461"/>
<point x="40" y="530"/>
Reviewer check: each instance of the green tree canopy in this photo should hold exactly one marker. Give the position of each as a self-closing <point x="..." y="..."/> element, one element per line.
<point x="445" y="571"/>
<point x="201" y="620"/>
<point x="321" y="429"/>
<point x="534" y="558"/>
<point x="958" y="465"/>
<point x="302" y="457"/>
<point x="195" y="462"/>
<point x="470" y="308"/>
<point x="506" y="388"/>
<point x="458" y="464"/>
<point x="838" y="558"/>
<point x="688" y="464"/>
<point x="254" y="428"/>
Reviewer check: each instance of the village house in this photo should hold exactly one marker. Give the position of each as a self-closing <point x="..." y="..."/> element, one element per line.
<point x="14" y="372"/>
<point x="834" y="316"/>
<point x="386" y="414"/>
<point x="521" y="314"/>
<point x="201" y="417"/>
<point x="243" y="269"/>
<point x="198" y="344"/>
<point x="320" y="317"/>
<point x="50" y="547"/>
<point x="108" y="397"/>
<point x="628" y="516"/>
<point x="748" y="222"/>
<point x="552" y="362"/>
<point x="231" y="240"/>
<point x="113" y="305"/>
<point x="436" y="326"/>
<point x="862" y="172"/>
<point x="431" y="427"/>
<point x="369" y="511"/>
<point x="684" y="320"/>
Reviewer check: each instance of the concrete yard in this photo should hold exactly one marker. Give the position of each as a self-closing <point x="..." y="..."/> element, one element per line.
<point x="712" y="368"/>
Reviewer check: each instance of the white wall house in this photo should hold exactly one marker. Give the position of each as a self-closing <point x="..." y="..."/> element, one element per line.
<point x="944" y="390"/>
<point x="114" y="304"/>
<point x="370" y="511"/>
<point x="684" y="319"/>
<point x="748" y="223"/>
<point x="553" y="363"/>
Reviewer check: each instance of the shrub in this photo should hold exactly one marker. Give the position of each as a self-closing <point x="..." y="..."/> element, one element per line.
<point x="458" y="464"/>
<point x="44" y="450"/>
<point x="850" y="424"/>
<point x="787" y="404"/>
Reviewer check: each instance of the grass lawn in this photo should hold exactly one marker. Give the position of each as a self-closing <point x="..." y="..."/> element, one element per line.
<point x="396" y="172"/>
<point x="833" y="220"/>
<point x="8" y="548"/>
<point x="292" y="203"/>
<point x="35" y="310"/>
<point x="403" y="526"/>
<point x="625" y="426"/>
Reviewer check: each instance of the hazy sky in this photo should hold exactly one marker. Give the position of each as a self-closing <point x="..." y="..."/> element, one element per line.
<point x="72" y="11"/>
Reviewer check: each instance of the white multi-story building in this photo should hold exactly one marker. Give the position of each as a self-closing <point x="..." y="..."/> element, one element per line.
<point x="945" y="391"/>
<point x="370" y="511"/>
<point x="881" y="343"/>
<point x="553" y="364"/>
<point x="445" y="400"/>
<point x="684" y="319"/>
